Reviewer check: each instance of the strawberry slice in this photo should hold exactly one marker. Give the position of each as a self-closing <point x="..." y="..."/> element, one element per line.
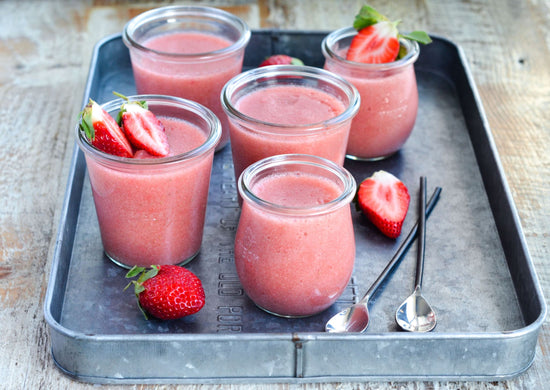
<point x="385" y="201"/>
<point x="375" y="44"/>
<point x="103" y="132"/>
<point x="281" y="59"/>
<point x="377" y="39"/>
<point x="143" y="129"/>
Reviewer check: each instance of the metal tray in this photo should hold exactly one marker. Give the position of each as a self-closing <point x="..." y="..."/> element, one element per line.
<point x="478" y="272"/>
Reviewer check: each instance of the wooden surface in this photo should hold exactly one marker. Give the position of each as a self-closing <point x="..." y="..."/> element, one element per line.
<point x="45" y="49"/>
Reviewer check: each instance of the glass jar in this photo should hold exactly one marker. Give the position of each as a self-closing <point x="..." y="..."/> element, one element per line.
<point x="295" y="244"/>
<point x="152" y="210"/>
<point x="389" y="96"/>
<point x="187" y="51"/>
<point x="286" y="109"/>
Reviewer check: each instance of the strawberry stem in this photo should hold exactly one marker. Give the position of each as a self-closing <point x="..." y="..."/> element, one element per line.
<point x="142" y="103"/>
<point x="122" y="110"/>
<point x="121" y="96"/>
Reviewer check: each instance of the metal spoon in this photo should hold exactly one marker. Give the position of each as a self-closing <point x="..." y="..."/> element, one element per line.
<point x="415" y="313"/>
<point x="356" y="317"/>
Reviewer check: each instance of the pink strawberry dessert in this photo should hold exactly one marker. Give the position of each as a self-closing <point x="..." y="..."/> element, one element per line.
<point x="151" y="201"/>
<point x="378" y="61"/>
<point x="295" y="246"/>
<point x="188" y="52"/>
<point x="288" y="109"/>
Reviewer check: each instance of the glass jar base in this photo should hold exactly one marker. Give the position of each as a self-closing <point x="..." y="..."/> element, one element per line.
<point x="126" y="266"/>
<point x="358" y="158"/>
<point x="221" y="146"/>
<point x="287" y="315"/>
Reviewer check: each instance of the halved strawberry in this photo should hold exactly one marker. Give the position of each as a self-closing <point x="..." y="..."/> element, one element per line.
<point x="281" y="59"/>
<point x="375" y="44"/>
<point x="143" y="129"/>
<point x="377" y="39"/>
<point x="385" y="201"/>
<point x="103" y="132"/>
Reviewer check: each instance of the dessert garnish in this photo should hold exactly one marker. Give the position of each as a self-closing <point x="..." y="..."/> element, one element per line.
<point x="377" y="39"/>
<point x="281" y="59"/>
<point x="167" y="292"/>
<point x="135" y="127"/>
<point x="142" y="127"/>
<point x="103" y="132"/>
<point x="384" y="199"/>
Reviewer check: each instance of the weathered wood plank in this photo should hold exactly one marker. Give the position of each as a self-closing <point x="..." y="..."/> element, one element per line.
<point x="45" y="49"/>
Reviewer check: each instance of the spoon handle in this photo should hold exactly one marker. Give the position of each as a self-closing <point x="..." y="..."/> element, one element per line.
<point x="421" y="233"/>
<point x="403" y="248"/>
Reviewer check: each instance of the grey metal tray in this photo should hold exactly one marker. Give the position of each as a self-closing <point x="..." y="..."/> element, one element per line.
<point x="478" y="272"/>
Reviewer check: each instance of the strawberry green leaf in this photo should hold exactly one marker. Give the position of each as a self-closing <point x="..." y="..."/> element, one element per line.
<point x="138" y="288"/>
<point x="419" y="36"/>
<point x="86" y="123"/>
<point x="144" y="274"/>
<point x="402" y="52"/>
<point x="143" y="311"/>
<point x="87" y="127"/>
<point x="367" y="16"/>
<point x="135" y="271"/>
<point x="151" y="273"/>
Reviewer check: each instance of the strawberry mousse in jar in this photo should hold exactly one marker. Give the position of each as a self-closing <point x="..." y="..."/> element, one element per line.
<point x="151" y="209"/>
<point x="389" y="96"/>
<point x="187" y="51"/>
<point x="295" y="244"/>
<point x="284" y="109"/>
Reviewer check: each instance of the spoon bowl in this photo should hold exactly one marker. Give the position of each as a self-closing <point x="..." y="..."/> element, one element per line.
<point x="353" y="319"/>
<point x="415" y="314"/>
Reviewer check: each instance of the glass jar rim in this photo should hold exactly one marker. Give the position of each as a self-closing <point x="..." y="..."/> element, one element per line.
<point x="413" y="50"/>
<point x="349" y="185"/>
<point x="173" y="12"/>
<point x="286" y="72"/>
<point x="197" y="109"/>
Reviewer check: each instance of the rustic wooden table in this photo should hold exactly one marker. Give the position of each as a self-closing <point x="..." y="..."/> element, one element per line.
<point x="45" y="49"/>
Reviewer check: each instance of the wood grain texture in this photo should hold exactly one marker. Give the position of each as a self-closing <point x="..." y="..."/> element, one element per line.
<point x="45" y="50"/>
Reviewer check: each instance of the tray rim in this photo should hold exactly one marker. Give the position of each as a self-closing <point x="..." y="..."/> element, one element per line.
<point x="76" y="177"/>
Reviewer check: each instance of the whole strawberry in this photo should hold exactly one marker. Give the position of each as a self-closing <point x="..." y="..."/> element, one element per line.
<point x="377" y="39"/>
<point x="167" y="292"/>
<point x="385" y="201"/>
<point x="103" y="132"/>
<point x="281" y="59"/>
